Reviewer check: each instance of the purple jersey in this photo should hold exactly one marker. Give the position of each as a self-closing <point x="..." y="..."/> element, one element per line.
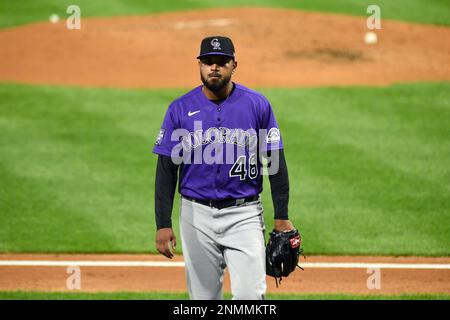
<point x="219" y="145"/>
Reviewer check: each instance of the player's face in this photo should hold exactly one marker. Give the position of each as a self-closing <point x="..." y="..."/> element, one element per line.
<point x="216" y="71"/>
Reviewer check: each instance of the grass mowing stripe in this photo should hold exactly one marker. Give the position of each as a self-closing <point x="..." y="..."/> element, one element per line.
<point x="23" y="295"/>
<point x="14" y="13"/>
<point x="367" y="168"/>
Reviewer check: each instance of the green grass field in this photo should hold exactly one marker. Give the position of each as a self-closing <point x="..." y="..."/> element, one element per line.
<point x="368" y="168"/>
<point x="14" y="13"/>
<point x="18" y="295"/>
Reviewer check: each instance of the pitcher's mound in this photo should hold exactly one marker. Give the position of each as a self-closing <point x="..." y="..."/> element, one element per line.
<point x="274" y="47"/>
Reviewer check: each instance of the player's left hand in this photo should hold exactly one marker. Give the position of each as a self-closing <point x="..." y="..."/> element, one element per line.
<point x="283" y="225"/>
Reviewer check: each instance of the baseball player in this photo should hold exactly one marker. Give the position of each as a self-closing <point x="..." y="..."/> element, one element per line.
<point x="213" y="140"/>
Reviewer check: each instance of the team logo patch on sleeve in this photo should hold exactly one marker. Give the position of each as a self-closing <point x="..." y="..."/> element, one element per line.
<point x="160" y="137"/>
<point x="273" y="135"/>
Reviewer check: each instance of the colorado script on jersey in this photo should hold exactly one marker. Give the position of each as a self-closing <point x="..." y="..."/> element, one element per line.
<point x="244" y="119"/>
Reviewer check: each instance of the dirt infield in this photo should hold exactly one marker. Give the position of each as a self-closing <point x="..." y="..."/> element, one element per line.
<point x="349" y="280"/>
<point x="275" y="47"/>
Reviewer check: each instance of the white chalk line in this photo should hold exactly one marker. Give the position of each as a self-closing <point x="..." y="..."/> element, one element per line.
<point x="306" y="265"/>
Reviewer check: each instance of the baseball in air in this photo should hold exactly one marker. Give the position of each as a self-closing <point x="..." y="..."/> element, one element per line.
<point x="370" y="37"/>
<point x="54" y="18"/>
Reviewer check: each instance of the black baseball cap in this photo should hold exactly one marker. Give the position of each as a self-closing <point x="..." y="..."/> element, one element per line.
<point x="217" y="45"/>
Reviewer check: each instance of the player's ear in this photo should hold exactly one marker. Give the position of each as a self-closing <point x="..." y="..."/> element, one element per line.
<point x="234" y="66"/>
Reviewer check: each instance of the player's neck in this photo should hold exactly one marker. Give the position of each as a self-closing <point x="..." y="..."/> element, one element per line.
<point x="221" y="94"/>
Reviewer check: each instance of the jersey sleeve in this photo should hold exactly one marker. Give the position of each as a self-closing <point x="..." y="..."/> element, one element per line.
<point x="270" y="132"/>
<point x="164" y="143"/>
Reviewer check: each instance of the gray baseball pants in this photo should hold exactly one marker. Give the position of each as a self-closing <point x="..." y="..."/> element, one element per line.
<point x="213" y="239"/>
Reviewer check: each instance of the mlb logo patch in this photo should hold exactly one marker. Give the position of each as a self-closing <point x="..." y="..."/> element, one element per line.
<point x="160" y="137"/>
<point x="295" y="242"/>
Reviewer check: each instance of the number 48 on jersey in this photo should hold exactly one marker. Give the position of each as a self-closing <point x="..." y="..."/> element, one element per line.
<point x="239" y="168"/>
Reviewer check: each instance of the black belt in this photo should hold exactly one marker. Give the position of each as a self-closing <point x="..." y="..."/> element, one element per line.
<point x="225" y="203"/>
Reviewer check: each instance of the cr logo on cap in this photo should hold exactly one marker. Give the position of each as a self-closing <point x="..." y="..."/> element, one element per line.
<point x="216" y="44"/>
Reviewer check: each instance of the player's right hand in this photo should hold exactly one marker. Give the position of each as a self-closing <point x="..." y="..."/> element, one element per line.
<point x="165" y="241"/>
